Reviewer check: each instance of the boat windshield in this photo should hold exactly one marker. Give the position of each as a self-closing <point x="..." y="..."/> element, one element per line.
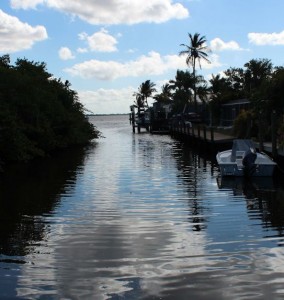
<point x="242" y="146"/>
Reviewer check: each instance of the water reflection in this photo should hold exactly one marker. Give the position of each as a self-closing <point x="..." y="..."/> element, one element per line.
<point x="194" y="165"/>
<point x="264" y="200"/>
<point x="142" y="217"/>
<point x="29" y="194"/>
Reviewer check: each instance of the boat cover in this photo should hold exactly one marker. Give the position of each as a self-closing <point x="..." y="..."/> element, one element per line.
<point x="241" y="145"/>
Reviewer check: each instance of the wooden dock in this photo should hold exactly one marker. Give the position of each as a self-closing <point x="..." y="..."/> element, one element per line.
<point x="202" y="133"/>
<point x="216" y="141"/>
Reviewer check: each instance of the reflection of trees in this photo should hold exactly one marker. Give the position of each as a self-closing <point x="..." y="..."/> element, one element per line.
<point x="191" y="166"/>
<point x="263" y="195"/>
<point x="29" y="191"/>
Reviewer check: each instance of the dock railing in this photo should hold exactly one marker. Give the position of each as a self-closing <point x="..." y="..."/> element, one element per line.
<point x="215" y="135"/>
<point x="201" y="132"/>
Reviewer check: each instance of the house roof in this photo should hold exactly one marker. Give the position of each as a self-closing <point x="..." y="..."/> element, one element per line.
<point x="236" y="102"/>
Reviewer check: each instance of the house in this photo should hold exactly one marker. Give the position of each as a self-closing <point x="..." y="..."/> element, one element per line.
<point x="231" y="109"/>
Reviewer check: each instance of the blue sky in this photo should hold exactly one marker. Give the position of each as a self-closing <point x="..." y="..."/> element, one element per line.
<point x="106" y="49"/>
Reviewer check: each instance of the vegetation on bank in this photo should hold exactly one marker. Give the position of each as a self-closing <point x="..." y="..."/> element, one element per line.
<point x="258" y="81"/>
<point x="38" y="113"/>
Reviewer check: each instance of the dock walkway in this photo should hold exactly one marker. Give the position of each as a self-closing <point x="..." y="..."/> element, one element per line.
<point x="211" y="137"/>
<point x="202" y="133"/>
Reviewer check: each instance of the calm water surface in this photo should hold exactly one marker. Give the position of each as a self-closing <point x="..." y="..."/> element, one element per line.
<point x="138" y="217"/>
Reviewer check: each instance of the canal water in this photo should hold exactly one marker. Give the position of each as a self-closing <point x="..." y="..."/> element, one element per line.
<point x="138" y="216"/>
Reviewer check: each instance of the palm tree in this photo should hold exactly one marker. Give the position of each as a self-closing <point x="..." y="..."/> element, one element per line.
<point x="146" y="89"/>
<point x="166" y="95"/>
<point x="195" y="51"/>
<point x="257" y="71"/>
<point x="139" y="100"/>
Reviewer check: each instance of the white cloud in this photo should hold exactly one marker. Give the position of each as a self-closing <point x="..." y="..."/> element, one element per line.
<point x="107" y="101"/>
<point x="82" y="50"/>
<point x="65" y="53"/>
<point x="16" y="35"/>
<point x="151" y="64"/>
<point x="131" y="51"/>
<point x="100" y="41"/>
<point x="262" y="39"/>
<point x="219" y="45"/>
<point x="113" y="11"/>
<point x="25" y="4"/>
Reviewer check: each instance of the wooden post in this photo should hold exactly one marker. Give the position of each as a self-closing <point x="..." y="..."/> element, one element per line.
<point x="273" y="134"/>
<point x="260" y="131"/>
<point x="198" y="130"/>
<point x="204" y="132"/>
<point x="138" y="121"/>
<point x="212" y="134"/>
<point x="133" y="119"/>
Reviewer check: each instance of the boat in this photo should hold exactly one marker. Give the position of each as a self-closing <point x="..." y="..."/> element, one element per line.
<point x="244" y="160"/>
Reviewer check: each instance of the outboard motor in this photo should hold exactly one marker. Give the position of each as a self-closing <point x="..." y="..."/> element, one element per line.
<point x="249" y="162"/>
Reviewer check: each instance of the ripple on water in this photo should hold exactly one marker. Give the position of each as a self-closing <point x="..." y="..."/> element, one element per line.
<point x="140" y="216"/>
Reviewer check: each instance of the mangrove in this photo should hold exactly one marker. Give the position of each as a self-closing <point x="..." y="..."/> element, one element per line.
<point x="38" y="113"/>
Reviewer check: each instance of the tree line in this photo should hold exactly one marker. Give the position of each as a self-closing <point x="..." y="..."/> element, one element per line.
<point x="38" y="113"/>
<point x="259" y="81"/>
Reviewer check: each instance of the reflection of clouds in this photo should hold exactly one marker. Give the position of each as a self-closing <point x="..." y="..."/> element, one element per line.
<point x="108" y="257"/>
<point x="126" y="231"/>
<point x="254" y="275"/>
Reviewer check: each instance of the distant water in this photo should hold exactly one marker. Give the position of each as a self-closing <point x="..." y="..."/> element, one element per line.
<point x="138" y="216"/>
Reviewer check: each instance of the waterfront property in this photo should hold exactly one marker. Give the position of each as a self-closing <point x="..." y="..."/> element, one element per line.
<point x="231" y="109"/>
<point x="154" y="119"/>
<point x="138" y="216"/>
<point x="215" y="138"/>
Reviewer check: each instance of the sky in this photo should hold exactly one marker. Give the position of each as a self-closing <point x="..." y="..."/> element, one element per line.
<point x="107" y="48"/>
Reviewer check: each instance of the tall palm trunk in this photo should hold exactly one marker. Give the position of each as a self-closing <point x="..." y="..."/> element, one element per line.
<point x="196" y="50"/>
<point x="194" y="86"/>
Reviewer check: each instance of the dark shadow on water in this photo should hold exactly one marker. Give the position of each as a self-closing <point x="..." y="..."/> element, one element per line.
<point x="262" y="194"/>
<point x="29" y="191"/>
<point x="192" y="164"/>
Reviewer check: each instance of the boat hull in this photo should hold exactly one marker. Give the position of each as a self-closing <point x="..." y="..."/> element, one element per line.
<point x="232" y="169"/>
<point x="231" y="164"/>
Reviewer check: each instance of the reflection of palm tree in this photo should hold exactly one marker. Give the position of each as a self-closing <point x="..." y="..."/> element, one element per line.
<point x="195" y="51"/>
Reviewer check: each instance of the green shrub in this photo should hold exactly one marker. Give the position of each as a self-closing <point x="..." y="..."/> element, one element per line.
<point x="38" y="113"/>
<point x="243" y="124"/>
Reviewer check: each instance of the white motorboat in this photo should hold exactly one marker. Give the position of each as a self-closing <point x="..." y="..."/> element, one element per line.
<point x="243" y="160"/>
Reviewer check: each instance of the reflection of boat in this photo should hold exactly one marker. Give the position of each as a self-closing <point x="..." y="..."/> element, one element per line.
<point x="237" y="183"/>
<point x="256" y="190"/>
<point x="243" y="159"/>
<point x="250" y="187"/>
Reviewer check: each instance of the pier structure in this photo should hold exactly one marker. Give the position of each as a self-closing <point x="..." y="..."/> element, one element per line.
<point x="139" y="118"/>
<point x="216" y="140"/>
<point x="201" y="134"/>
